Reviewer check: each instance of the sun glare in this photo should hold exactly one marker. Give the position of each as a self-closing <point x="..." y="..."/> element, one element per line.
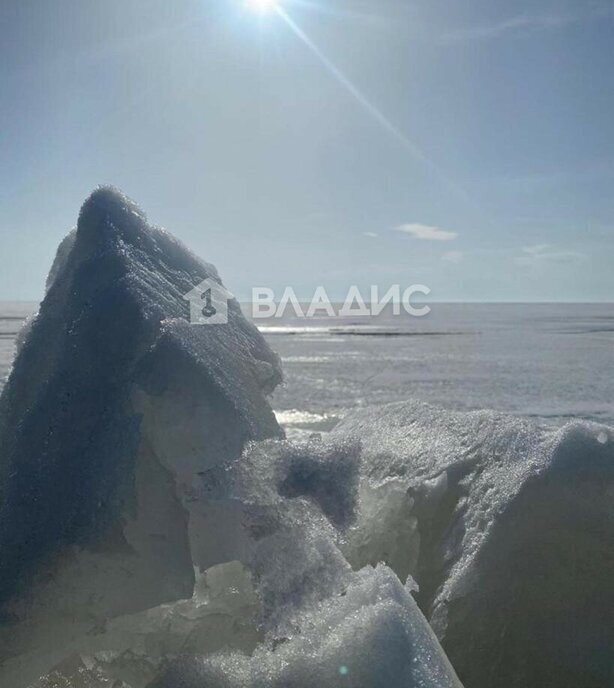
<point x="262" y="6"/>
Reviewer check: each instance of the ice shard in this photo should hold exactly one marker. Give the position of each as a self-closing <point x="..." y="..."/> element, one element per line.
<point x="372" y="636"/>
<point x="115" y="409"/>
<point x="295" y="615"/>
<point x="324" y="625"/>
<point x="507" y="527"/>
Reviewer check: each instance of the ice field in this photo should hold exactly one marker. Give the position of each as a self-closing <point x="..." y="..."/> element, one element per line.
<point x="173" y="515"/>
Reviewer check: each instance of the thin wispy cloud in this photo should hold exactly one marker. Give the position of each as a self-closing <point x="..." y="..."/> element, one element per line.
<point x="512" y="25"/>
<point x="539" y="255"/>
<point x="371" y="235"/>
<point x="536" y="249"/>
<point x="525" y="23"/>
<point x="426" y="232"/>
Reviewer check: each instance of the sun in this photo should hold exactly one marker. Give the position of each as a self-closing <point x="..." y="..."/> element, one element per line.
<point x="262" y="6"/>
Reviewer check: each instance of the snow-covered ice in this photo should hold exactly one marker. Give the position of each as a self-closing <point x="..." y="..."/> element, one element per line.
<point x="150" y="521"/>
<point x="114" y="408"/>
<point x="508" y="530"/>
<point x="157" y="530"/>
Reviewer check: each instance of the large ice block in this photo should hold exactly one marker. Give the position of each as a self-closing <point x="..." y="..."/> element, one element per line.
<point x="512" y="542"/>
<point x="115" y="409"/>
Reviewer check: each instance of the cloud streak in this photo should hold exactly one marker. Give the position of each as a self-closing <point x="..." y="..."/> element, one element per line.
<point x="543" y="254"/>
<point x="426" y="232"/>
<point x="525" y="23"/>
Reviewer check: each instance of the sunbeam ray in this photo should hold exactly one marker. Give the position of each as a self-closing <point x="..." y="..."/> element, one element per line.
<point x="408" y="145"/>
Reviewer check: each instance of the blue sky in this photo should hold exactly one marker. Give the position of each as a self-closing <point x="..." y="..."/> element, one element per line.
<point x="467" y="145"/>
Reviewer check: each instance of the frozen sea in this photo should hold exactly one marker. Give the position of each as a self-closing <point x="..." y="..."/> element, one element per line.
<point x="553" y="362"/>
